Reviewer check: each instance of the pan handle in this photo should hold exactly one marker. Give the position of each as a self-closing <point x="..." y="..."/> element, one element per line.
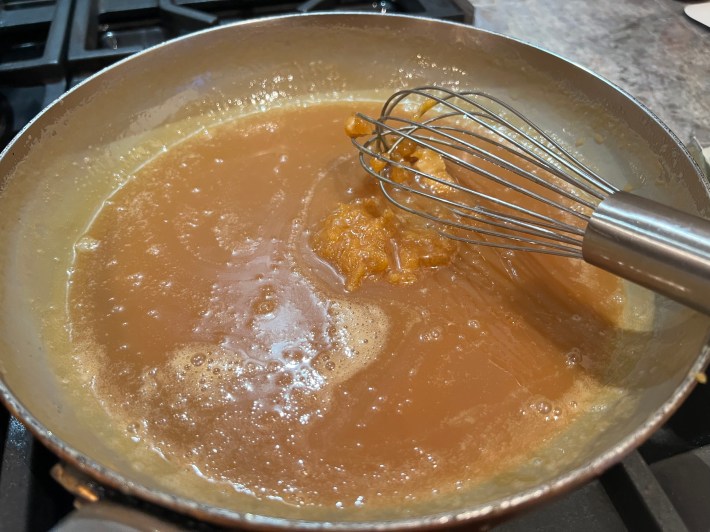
<point x="94" y="512"/>
<point x="111" y="517"/>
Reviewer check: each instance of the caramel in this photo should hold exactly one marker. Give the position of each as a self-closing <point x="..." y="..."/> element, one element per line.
<point x="218" y="337"/>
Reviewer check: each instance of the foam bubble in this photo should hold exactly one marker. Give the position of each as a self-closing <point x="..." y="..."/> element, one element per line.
<point x="87" y="243"/>
<point x="359" y="333"/>
<point x="353" y="338"/>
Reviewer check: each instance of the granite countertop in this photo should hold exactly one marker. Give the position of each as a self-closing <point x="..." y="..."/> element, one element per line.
<point x="650" y="48"/>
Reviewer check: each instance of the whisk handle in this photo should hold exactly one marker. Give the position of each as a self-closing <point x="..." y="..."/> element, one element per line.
<point x="653" y="245"/>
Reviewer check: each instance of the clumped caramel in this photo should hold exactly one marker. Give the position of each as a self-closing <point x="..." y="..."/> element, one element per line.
<point x="406" y="156"/>
<point x="366" y="239"/>
<point x="356" y="126"/>
<point x="431" y="163"/>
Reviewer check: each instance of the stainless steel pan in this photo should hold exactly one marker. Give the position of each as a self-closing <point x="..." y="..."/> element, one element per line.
<point x="69" y="158"/>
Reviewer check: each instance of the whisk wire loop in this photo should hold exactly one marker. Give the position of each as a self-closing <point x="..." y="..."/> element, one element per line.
<point x="471" y="131"/>
<point x="472" y="99"/>
<point x="445" y="137"/>
<point x="540" y="246"/>
<point x="478" y="171"/>
<point x="553" y="243"/>
<point x="543" y="220"/>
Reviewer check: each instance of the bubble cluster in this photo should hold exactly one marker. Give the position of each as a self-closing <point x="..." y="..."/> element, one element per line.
<point x="87" y="243"/>
<point x="543" y="408"/>
<point x="573" y="357"/>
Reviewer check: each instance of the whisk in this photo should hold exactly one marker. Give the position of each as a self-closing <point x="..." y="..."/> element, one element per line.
<point x="514" y="186"/>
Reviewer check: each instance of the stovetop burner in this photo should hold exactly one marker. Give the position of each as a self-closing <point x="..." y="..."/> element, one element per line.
<point x="48" y="46"/>
<point x="105" y="32"/>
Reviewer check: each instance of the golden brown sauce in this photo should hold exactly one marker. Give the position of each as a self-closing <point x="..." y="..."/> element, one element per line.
<point x="217" y="337"/>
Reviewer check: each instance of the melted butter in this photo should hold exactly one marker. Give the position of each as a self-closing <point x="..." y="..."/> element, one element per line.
<point x="217" y="337"/>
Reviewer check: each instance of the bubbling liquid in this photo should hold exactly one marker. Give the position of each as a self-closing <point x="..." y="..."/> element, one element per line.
<point x="220" y="340"/>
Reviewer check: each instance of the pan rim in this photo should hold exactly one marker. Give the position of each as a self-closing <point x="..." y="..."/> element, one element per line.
<point x="494" y="509"/>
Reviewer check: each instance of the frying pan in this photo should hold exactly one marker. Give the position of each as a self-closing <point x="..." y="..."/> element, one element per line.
<point x="57" y="171"/>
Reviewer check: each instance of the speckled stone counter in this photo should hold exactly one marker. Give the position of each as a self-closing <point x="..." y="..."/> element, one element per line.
<point x="650" y="48"/>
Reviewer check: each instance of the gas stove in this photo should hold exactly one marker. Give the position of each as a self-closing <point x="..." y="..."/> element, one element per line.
<point x="46" y="47"/>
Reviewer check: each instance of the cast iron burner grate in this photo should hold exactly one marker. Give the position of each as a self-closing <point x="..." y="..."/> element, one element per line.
<point x="47" y="46"/>
<point x="32" y="55"/>
<point x="103" y="32"/>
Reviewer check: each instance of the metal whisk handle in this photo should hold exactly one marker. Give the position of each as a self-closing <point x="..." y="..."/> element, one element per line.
<point x="652" y="245"/>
